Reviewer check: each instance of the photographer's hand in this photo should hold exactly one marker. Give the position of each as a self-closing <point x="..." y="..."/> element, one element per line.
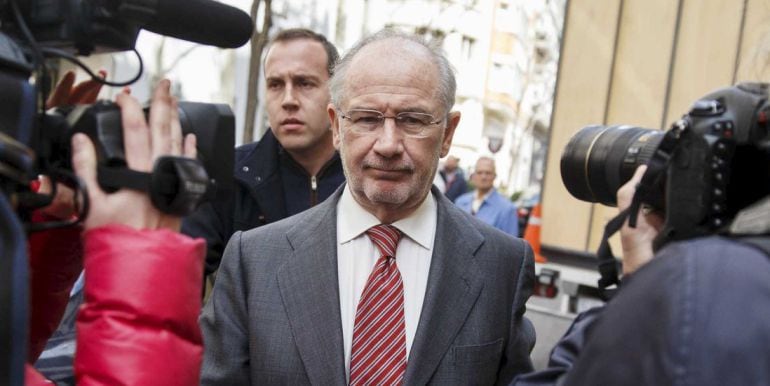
<point x="637" y="242"/>
<point x="144" y="142"/>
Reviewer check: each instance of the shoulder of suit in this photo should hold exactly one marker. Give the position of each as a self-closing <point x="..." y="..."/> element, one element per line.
<point x="279" y="227"/>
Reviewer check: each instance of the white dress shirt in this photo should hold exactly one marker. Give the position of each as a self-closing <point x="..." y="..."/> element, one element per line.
<point x="356" y="255"/>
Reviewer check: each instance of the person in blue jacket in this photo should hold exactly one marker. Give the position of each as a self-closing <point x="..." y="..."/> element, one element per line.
<point x="486" y="203"/>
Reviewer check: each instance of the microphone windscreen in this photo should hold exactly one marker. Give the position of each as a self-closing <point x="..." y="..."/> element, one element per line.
<point x="202" y="21"/>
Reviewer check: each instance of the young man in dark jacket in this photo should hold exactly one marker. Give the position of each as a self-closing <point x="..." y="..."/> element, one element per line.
<point x="294" y="165"/>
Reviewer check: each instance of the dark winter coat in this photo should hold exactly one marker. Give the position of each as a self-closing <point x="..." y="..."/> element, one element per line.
<point x="269" y="186"/>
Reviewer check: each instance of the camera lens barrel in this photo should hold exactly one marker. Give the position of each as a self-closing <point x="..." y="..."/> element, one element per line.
<point x="598" y="160"/>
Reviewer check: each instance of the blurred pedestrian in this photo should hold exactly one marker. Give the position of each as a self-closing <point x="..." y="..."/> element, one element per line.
<point x="453" y="177"/>
<point x="485" y="203"/>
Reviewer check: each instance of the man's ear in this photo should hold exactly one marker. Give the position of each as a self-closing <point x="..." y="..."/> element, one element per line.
<point x="446" y="142"/>
<point x="332" y="111"/>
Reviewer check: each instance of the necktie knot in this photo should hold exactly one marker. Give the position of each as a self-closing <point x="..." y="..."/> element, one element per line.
<point x="386" y="238"/>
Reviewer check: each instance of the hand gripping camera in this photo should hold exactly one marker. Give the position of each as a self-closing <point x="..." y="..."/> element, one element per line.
<point x="711" y="164"/>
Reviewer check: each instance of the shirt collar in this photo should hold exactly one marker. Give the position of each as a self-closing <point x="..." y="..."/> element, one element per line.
<point x="353" y="220"/>
<point x="484" y="197"/>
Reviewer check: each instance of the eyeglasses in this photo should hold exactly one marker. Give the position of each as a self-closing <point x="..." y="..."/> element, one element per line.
<point x="412" y="124"/>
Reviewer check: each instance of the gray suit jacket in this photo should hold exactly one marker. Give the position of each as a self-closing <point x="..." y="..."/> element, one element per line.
<point x="274" y="314"/>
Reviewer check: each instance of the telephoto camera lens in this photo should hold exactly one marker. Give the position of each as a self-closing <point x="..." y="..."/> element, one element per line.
<point x="598" y="160"/>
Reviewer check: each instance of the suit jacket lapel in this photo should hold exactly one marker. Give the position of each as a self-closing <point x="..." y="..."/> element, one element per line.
<point x="309" y="284"/>
<point x="453" y="287"/>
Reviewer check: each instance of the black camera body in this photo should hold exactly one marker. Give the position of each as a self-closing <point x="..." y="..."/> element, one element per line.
<point x="213" y="125"/>
<point x="720" y="164"/>
<point x="709" y="165"/>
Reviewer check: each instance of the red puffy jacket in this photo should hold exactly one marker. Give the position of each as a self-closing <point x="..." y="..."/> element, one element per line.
<point x="138" y="324"/>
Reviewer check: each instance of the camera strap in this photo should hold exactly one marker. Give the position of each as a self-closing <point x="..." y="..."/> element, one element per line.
<point x="176" y="185"/>
<point x="608" y="265"/>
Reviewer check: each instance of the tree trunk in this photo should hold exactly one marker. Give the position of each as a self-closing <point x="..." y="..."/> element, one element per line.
<point x="339" y="37"/>
<point x="258" y="41"/>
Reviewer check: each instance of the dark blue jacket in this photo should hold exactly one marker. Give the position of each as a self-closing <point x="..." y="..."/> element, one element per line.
<point x="697" y="314"/>
<point x="269" y="186"/>
<point x="457" y="187"/>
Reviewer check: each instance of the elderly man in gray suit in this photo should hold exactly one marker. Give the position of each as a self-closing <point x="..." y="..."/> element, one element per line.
<point x="386" y="282"/>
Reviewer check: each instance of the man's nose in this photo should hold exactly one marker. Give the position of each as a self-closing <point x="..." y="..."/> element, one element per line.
<point x="390" y="141"/>
<point x="289" y="97"/>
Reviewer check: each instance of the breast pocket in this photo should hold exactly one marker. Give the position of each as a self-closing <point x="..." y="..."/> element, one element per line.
<point x="479" y="354"/>
<point x="470" y="365"/>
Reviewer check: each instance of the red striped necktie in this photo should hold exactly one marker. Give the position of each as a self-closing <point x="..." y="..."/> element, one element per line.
<point x="378" y="355"/>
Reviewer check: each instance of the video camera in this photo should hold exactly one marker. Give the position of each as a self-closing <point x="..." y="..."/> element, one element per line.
<point x="709" y="165"/>
<point x="33" y="141"/>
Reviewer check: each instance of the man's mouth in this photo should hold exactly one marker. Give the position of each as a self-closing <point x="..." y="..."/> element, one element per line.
<point x="291" y="122"/>
<point x="388" y="173"/>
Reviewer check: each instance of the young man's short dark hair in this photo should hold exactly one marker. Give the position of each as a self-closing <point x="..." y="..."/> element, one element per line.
<point x="303" y="33"/>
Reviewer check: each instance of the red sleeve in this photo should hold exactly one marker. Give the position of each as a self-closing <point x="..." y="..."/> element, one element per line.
<point x="33" y="378"/>
<point x="55" y="264"/>
<point x="138" y="324"/>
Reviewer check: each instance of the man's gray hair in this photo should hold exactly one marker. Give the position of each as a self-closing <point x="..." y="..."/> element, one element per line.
<point x="447" y="82"/>
<point x="488" y="159"/>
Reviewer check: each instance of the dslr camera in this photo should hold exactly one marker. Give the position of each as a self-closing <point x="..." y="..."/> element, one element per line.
<point x="711" y="163"/>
